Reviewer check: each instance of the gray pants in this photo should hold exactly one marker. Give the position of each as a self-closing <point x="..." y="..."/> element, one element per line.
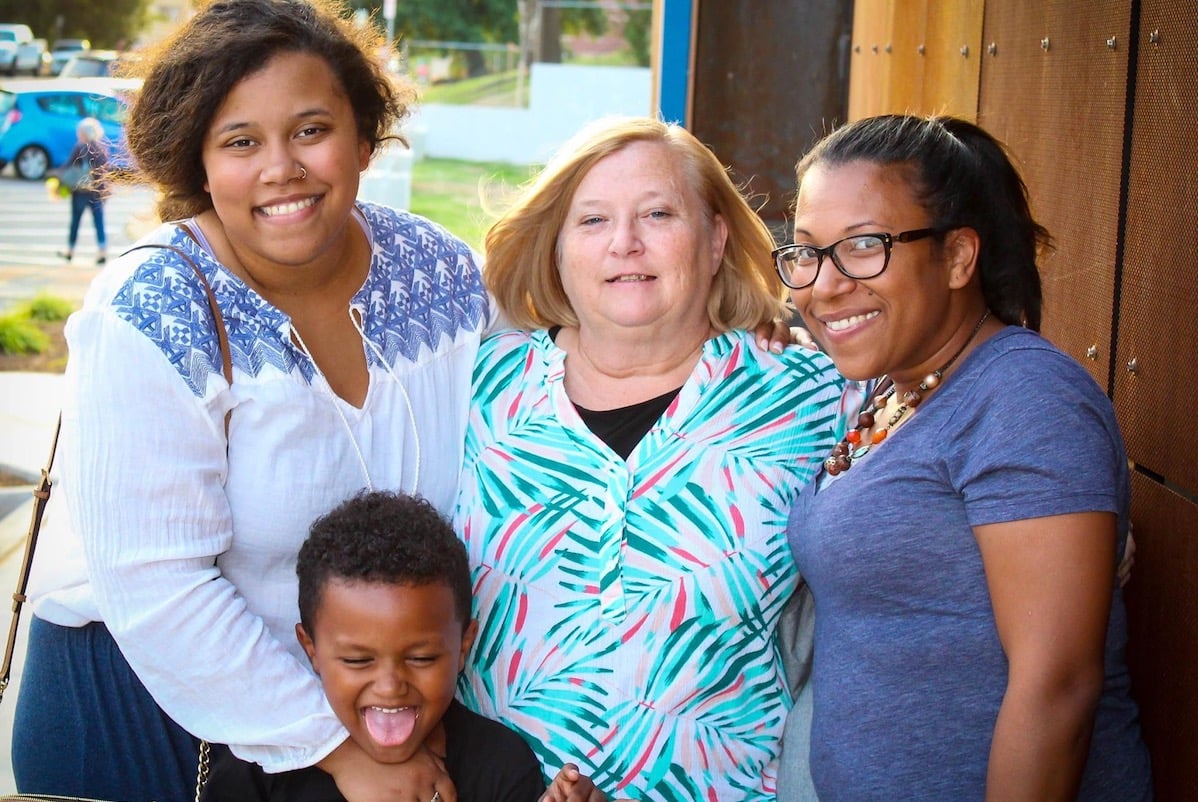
<point x="796" y="636"/>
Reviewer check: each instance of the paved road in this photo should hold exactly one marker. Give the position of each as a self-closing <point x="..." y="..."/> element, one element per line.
<point x="33" y="228"/>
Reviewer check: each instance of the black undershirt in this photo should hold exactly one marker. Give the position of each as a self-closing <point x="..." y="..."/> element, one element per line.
<point x="622" y="428"/>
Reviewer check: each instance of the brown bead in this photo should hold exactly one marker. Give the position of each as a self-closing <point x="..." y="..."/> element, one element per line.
<point x="840" y="449"/>
<point x="912" y="398"/>
<point x="865" y="420"/>
<point x="831" y="467"/>
<point x="843" y="462"/>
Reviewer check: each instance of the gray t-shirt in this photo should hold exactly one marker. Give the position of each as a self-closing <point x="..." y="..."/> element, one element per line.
<point x="909" y="672"/>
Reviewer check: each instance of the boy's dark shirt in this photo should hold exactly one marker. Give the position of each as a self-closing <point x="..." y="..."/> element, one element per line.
<point x="486" y="761"/>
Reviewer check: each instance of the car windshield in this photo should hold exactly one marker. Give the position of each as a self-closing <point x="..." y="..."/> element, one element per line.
<point x="7" y="36"/>
<point x="7" y="101"/>
<point x="87" y="67"/>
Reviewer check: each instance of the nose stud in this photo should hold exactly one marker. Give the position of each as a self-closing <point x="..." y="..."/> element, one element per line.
<point x="303" y="172"/>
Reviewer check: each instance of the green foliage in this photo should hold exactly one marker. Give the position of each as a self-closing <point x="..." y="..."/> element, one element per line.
<point x="47" y="308"/>
<point x="450" y="20"/>
<point x="107" y="23"/>
<point x="19" y="335"/>
<point x="636" y="31"/>
<point x="496" y="89"/>
<point x="584" y="20"/>
<point x="464" y="196"/>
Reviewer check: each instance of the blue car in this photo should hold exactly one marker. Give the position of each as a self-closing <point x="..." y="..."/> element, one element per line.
<point x="38" y="120"/>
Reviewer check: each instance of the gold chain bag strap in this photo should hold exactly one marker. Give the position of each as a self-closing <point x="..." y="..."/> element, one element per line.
<point x="41" y="495"/>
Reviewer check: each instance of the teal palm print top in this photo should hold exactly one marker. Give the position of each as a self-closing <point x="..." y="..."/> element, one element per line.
<point x="627" y="608"/>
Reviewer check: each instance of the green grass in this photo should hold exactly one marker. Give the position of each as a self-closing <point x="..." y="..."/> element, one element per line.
<point x="464" y="196"/>
<point x="496" y="89"/>
<point x="20" y="335"/>
<point x="46" y="307"/>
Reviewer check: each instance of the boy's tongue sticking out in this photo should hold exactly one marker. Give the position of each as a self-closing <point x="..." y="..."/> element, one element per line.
<point x="390" y="726"/>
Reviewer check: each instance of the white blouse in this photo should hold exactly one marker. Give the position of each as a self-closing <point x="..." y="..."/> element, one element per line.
<point x="187" y="552"/>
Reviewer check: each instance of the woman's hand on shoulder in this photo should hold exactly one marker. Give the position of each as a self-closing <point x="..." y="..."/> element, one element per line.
<point x="776" y="335"/>
<point x="571" y="785"/>
<point x="360" y="778"/>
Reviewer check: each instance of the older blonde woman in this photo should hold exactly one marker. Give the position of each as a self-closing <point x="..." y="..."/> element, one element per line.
<point x="629" y="466"/>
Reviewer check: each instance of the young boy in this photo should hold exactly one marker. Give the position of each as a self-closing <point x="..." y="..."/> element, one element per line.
<point x="384" y="600"/>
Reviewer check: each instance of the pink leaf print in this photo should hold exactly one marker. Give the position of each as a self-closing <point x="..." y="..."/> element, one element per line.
<point x="553" y="541"/>
<point x="640" y="622"/>
<point x="640" y="761"/>
<point x="521" y="612"/>
<point x="513" y="667"/>
<point x="679" y="608"/>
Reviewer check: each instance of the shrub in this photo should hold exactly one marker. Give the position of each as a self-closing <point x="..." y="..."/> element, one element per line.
<point x="19" y="335"/>
<point x="47" y="308"/>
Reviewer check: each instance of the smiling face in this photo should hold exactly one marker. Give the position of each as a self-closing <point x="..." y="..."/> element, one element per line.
<point x="896" y="323"/>
<point x="388" y="656"/>
<point x="636" y="249"/>
<point x="290" y="113"/>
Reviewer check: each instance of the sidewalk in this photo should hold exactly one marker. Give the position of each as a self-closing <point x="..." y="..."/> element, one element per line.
<point x="29" y="404"/>
<point x="20" y="283"/>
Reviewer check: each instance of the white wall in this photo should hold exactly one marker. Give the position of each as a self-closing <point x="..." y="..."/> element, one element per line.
<point x="562" y="97"/>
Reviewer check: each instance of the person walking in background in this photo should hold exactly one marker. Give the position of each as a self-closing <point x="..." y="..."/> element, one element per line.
<point x="84" y="176"/>
<point x="185" y="496"/>
<point x="961" y="542"/>
<point x="630" y="461"/>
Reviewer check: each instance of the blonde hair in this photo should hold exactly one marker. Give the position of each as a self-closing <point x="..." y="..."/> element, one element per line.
<point x="90" y="128"/>
<point x="521" y="268"/>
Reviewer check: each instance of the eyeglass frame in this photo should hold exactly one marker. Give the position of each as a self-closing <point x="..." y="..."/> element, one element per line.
<point x="888" y="241"/>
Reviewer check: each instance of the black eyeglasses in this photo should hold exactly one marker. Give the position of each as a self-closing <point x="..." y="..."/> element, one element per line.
<point x="860" y="256"/>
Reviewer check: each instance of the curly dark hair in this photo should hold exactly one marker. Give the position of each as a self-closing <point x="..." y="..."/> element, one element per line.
<point x="382" y="537"/>
<point x="189" y="75"/>
<point x="964" y="177"/>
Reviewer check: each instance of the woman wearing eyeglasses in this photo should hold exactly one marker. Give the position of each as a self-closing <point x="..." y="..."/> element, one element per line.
<point x="961" y="541"/>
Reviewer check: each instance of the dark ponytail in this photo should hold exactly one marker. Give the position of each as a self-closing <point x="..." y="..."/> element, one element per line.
<point x="963" y="177"/>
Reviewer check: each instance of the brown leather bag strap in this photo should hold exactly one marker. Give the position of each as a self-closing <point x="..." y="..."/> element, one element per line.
<point x="41" y="494"/>
<point x="222" y="336"/>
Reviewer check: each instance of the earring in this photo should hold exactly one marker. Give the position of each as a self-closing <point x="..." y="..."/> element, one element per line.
<point x="303" y="172"/>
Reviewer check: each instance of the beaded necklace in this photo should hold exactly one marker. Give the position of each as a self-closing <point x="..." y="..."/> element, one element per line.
<point x="852" y="447"/>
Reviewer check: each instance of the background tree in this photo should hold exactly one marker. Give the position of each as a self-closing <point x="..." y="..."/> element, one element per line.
<point x="107" y="23"/>
<point x="636" y="31"/>
<point x="476" y="21"/>
<point x="487" y="22"/>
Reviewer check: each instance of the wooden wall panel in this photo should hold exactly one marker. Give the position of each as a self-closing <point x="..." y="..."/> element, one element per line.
<point x="908" y="57"/>
<point x="869" y="79"/>
<point x="954" y="55"/>
<point x="1162" y="607"/>
<point x="1158" y="329"/>
<point x="761" y="100"/>
<point x="1055" y="93"/>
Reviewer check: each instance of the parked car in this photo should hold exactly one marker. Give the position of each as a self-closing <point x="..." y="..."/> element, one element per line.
<point x="63" y="49"/>
<point x="38" y="118"/>
<point x="12" y="36"/>
<point x="32" y="58"/>
<point x="92" y="64"/>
